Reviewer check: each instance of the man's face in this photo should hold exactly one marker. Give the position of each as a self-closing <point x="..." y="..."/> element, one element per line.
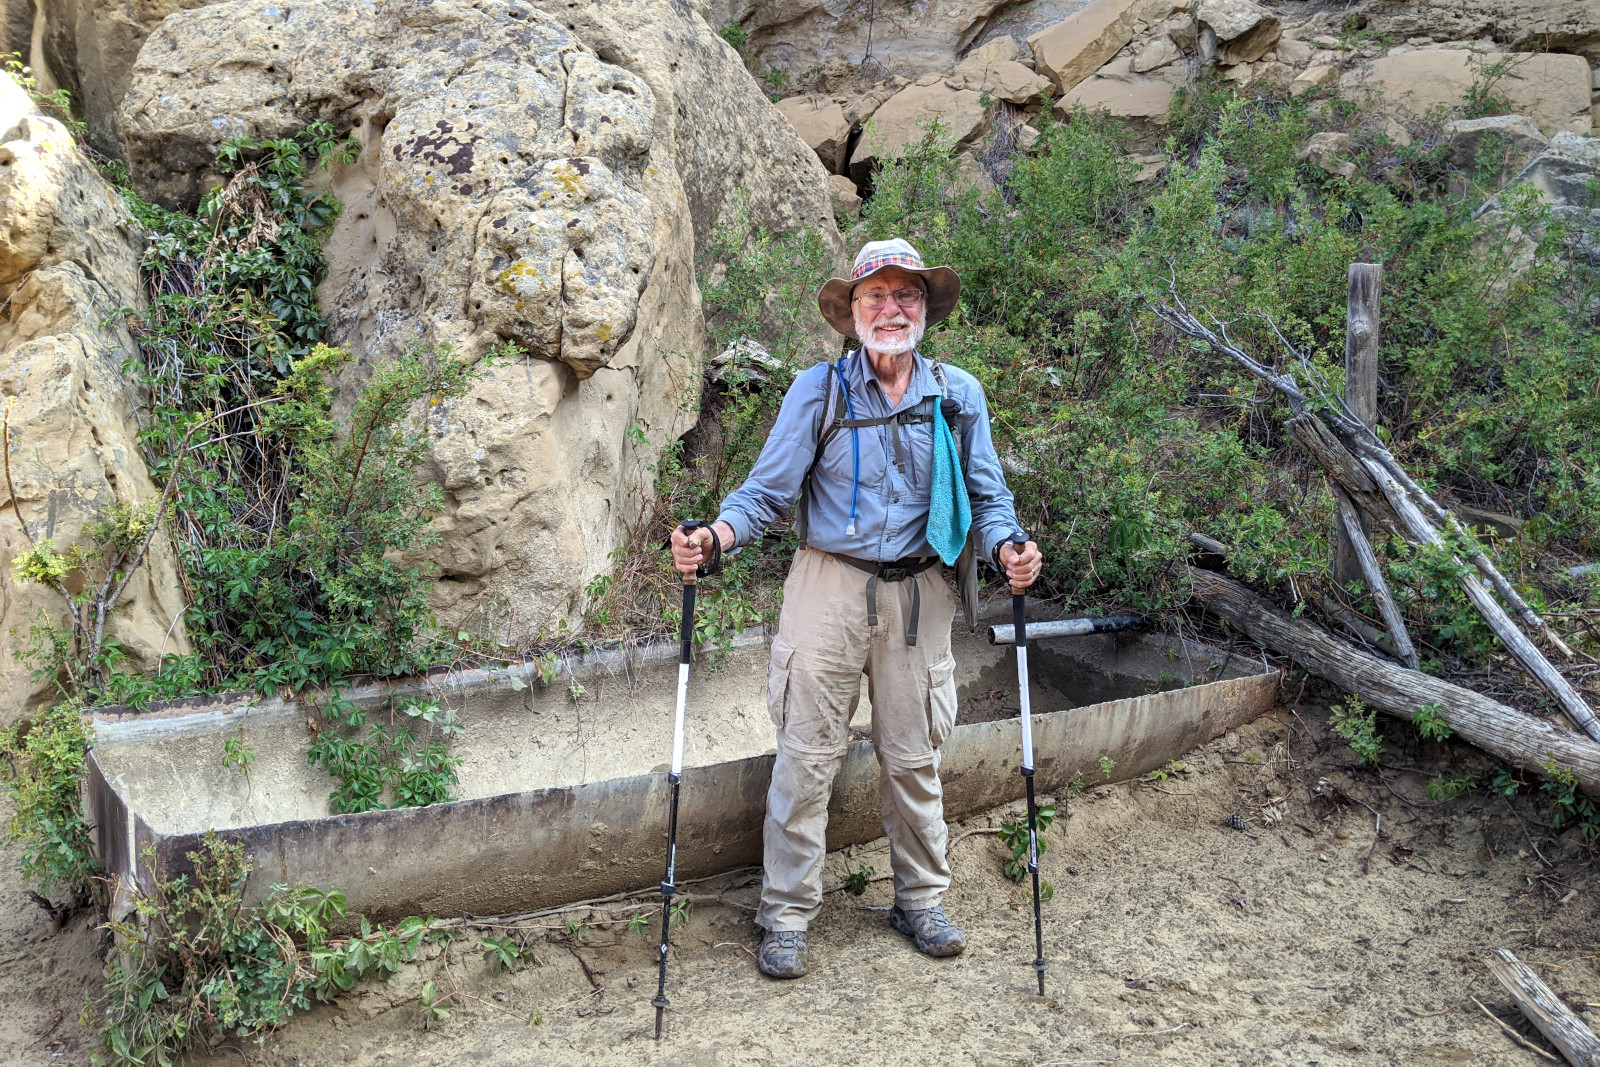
<point x="883" y="322"/>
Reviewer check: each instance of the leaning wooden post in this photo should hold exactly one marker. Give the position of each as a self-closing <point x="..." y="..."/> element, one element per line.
<point x="1545" y="1011"/>
<point x="1360" y="387"/>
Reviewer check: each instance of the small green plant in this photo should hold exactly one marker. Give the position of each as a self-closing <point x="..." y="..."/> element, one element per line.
<point x="1014" y="835"/>
<point x="1357" y="724"/>
<point x="432" y="1008"/>
<point x="503" y="953"/>
<point x="1107" y="765"/>
<point x="370" y="763"/>
<point x="1568" y="806"/>
<point x="1507" y="781"/>
<point x="237" y="754"/>
<point x="679" y="914"/>
<point x="638" y="924"/>
<point x="1076" y="785"/>
<point x="1429" y="721"/>
<point x="736" y="35"/>
<point x="1441" y="789"/>
<point x="856" y="881"/>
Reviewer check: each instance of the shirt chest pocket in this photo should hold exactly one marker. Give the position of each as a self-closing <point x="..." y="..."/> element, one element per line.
<point x="838" y="462"/>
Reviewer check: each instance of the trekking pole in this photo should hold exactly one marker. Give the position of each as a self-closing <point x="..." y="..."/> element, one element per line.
<point x="1019" y="622"/>
<point x="668" y="888"/>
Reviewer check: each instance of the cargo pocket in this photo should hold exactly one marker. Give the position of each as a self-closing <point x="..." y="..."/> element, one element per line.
<point x="941" y="700"/>
<point x="778" y="681"/>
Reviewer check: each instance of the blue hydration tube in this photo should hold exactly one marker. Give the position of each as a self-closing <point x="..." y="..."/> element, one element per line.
<point x="855" y="450"/>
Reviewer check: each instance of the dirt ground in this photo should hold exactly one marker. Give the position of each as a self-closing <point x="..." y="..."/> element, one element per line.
<point x="1172" y="939"/>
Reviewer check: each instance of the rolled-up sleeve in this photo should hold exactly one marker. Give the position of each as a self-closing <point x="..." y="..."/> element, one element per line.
<point x="994" y="516"/>
<point x="774" y="482"/>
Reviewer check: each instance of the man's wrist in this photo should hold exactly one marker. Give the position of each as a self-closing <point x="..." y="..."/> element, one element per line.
<point x="727" y="539"/>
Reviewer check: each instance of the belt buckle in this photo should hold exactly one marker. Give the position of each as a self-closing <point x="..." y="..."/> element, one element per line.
<point x="895" y="574"/>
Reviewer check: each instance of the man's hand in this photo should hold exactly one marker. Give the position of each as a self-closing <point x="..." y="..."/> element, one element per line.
<point x="1022" y="568"/>
<point x="689" y="552"/>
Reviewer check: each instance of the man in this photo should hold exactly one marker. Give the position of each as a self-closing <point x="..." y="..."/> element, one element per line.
<point x="863" y="594"/>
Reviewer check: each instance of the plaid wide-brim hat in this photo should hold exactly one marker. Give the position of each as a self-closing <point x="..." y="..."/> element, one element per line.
<point x="944" y="287"/>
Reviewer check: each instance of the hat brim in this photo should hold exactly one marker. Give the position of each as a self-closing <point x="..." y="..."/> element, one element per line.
<point x="944" y="289"/>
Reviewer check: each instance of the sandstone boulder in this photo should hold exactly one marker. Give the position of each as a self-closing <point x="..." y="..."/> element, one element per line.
<point x="540" y="173"/>
<point x="994" y="69"/>
<point x="900" y="122"/>
<point x="821" y="124"/>
<point x="1138" y="98"/>
<point x="1243" y="32"/>
<point x="1503" y="144"/>
<point x="69" y="258"/>
<point x="1076" y="47"/>
<point x="1330" y="151"/>
<point x="1552" y="90"/>
<point x="1159" y="53"/>
<point x="1565" y="174"/>
<point x="1311" y="78"/>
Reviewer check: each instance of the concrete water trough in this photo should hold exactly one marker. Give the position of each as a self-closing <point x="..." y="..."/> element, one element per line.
<point x="563" y="791"/>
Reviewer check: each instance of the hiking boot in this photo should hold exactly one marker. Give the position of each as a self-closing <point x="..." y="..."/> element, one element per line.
<point x="783" y="953"/>
<point x="934" y="934"/>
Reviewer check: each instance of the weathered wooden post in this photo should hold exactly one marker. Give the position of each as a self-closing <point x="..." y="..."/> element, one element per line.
<point x="1360" y="386"/>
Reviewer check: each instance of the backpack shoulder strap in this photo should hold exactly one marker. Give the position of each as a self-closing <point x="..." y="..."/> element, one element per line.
<point x="828" y="423"/>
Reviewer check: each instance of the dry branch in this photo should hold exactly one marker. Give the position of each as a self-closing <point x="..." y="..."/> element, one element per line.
<point x="1357" y="540"/>
<point x="1518" y="739"/>
<point x="1544" y="1010"/>
<point x="1516" y="642"/>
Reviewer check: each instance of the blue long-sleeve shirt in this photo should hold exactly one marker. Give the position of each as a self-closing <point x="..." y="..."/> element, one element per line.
<point x="891" y="507"/>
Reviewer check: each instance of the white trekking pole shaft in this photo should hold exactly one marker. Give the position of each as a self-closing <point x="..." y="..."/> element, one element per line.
<point x="1019" y="623"/>
<point x="674" y="777"/>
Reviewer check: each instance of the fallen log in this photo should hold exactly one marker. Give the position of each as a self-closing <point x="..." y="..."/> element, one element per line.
<point x="1519" y="739"/>
<point x="1544" y="1010"/>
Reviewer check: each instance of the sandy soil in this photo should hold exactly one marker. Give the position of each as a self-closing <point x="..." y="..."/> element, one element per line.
<point x="1171" y="939"/>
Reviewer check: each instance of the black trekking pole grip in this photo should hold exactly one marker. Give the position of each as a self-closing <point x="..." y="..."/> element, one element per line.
<point x="674" y="780"/>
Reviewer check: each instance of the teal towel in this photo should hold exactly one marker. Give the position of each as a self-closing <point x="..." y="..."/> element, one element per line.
<point x="949" y="510"/>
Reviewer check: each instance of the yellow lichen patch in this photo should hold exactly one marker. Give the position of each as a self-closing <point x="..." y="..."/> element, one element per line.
<point x="604" y="331"/>
<point x="507" y="279"/>
<point x="569" y="178"/>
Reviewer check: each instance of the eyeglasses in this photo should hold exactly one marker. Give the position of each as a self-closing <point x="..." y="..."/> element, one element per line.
<point x="906" y="298"/>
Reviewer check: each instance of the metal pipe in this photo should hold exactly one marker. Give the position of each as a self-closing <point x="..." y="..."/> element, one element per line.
<point x="1039" y="631"/>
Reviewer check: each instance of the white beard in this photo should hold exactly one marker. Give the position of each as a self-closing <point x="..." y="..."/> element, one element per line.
<point x="907" y="342"/>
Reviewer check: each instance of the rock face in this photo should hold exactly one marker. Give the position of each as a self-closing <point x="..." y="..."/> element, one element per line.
<point x="16" y="27"/>
<point x="1552" y="90"/>
<point x="89" y="49"/>
<point x="533" y="173"/>
<point x="1553" y="25"/>
<point x="69" y="257"/>
<point x="909" y="39"/>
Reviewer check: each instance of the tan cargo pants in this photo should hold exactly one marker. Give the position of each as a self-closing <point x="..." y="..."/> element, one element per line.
<point x="813" y="687"/>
